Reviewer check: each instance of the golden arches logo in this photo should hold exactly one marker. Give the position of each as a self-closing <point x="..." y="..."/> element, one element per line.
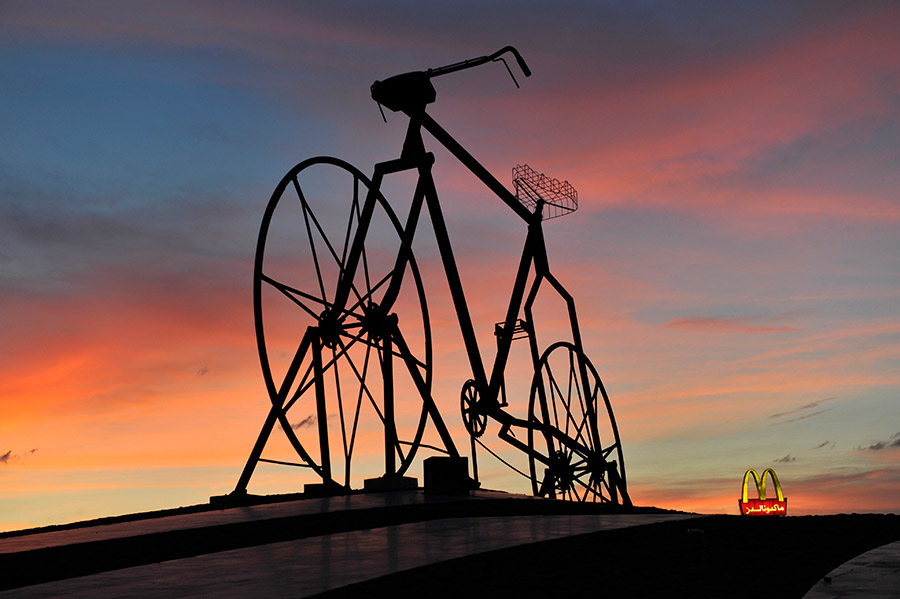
<point x="761" y="506"/>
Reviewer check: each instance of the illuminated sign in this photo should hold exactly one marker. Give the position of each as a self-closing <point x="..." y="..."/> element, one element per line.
<point x="762" y="506"/>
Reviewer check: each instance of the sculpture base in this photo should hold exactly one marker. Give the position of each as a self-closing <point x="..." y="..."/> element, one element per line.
<point x="323" y="489"/>
<point x="390" y="483"/>
<point x="446" y="475"/>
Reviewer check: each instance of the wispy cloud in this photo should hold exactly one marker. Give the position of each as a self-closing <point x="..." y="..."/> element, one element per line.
<point x="808" y="406"/>
<point x="801" y="413"/>
<point x="786" y="459"/>
<point x="9" y="456"/>
<point x="892" y="443"/>
<point x="828" y="444"/>
<point x="305" y="423"/>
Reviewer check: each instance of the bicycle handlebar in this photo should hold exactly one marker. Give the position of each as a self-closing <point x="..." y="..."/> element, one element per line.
<point x="474" y="62"/>
<point x="412" y="91"/>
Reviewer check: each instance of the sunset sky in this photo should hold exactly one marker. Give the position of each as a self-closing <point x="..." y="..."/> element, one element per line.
<point x="735" y="258"/>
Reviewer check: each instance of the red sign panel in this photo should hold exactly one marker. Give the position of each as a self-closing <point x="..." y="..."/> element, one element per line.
<point x="762" y="506"/>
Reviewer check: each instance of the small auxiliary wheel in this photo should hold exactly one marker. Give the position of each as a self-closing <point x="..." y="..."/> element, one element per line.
<point x="474" y="422"/>
<point x="579" y="447"/>
<point x="303" y="250"/>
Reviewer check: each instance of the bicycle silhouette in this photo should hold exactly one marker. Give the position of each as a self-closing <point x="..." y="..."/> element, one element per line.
<point x="356" y="299"/>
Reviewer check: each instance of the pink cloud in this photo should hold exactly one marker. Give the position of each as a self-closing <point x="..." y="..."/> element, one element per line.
<point x="683" y="138"/>
<point x="728" y="325"/>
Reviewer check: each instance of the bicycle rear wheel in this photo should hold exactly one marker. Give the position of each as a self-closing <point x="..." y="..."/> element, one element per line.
<point x="579" y="447"/>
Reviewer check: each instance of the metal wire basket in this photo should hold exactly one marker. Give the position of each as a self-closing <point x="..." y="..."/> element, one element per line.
<point x="558" y="197"/>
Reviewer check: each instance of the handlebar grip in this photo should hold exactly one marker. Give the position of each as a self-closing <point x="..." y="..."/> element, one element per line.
<point x="518" y="57"/>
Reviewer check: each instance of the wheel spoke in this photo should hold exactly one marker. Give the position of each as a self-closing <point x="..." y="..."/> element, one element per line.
<point x="568" y="398"/>
<point x="359" y="398"/>
<point x="363" y="387"/>
<point x="292" y="294"/>
<point x="394" y="352"/>
<point x="579" y="427"/>
<point x="339" y="261"/>
<point x="588" y="488"/>
<point x="575" y="382"/>
<point x="555" y="391"/>
<point x="312" y="243"/>
<point x="553" y="386"/>
<point x="306" y="381"/>
<point x="309" y="215"/>
<point x="579" y="432"/>
<point x="588" y="405"/>
<point x="605" y="453"/>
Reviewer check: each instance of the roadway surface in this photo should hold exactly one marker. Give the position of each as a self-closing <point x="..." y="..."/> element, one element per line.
<point x="322" y="559"/>
<point x="406" y="544"/>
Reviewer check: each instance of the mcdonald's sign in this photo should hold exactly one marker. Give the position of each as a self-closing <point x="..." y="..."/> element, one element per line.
<point x="762" y="506"/>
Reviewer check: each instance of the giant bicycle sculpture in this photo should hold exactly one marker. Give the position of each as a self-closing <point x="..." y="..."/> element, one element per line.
<point x="350" y="289"/>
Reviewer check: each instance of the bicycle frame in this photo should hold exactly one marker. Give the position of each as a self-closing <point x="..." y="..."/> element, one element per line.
<point x="414" y="156"/>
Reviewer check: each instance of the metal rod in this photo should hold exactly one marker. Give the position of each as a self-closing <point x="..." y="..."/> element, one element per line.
<point x="504" y="340"/>
<point x="321" y="408"/>
<point x="274" y="411"/>
<point x="473" y="165"/>
<point x="390" y="427"/>
<point x="425" y="394"/>
<point x="405" y="253"/>
<point x="345" y="283"/>
<point x="454" y="282"/>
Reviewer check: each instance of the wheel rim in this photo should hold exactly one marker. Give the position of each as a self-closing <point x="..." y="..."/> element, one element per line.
<point x="303" y="245"/>
<point x="564" y="396"/>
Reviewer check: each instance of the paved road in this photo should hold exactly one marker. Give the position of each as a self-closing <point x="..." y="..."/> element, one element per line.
<point x="305" y="507"/>
<point x="308" y="566"/>
<point x="872" y="575"/>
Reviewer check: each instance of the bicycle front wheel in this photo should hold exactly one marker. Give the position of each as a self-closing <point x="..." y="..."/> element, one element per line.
<point x="302" y="254"/>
